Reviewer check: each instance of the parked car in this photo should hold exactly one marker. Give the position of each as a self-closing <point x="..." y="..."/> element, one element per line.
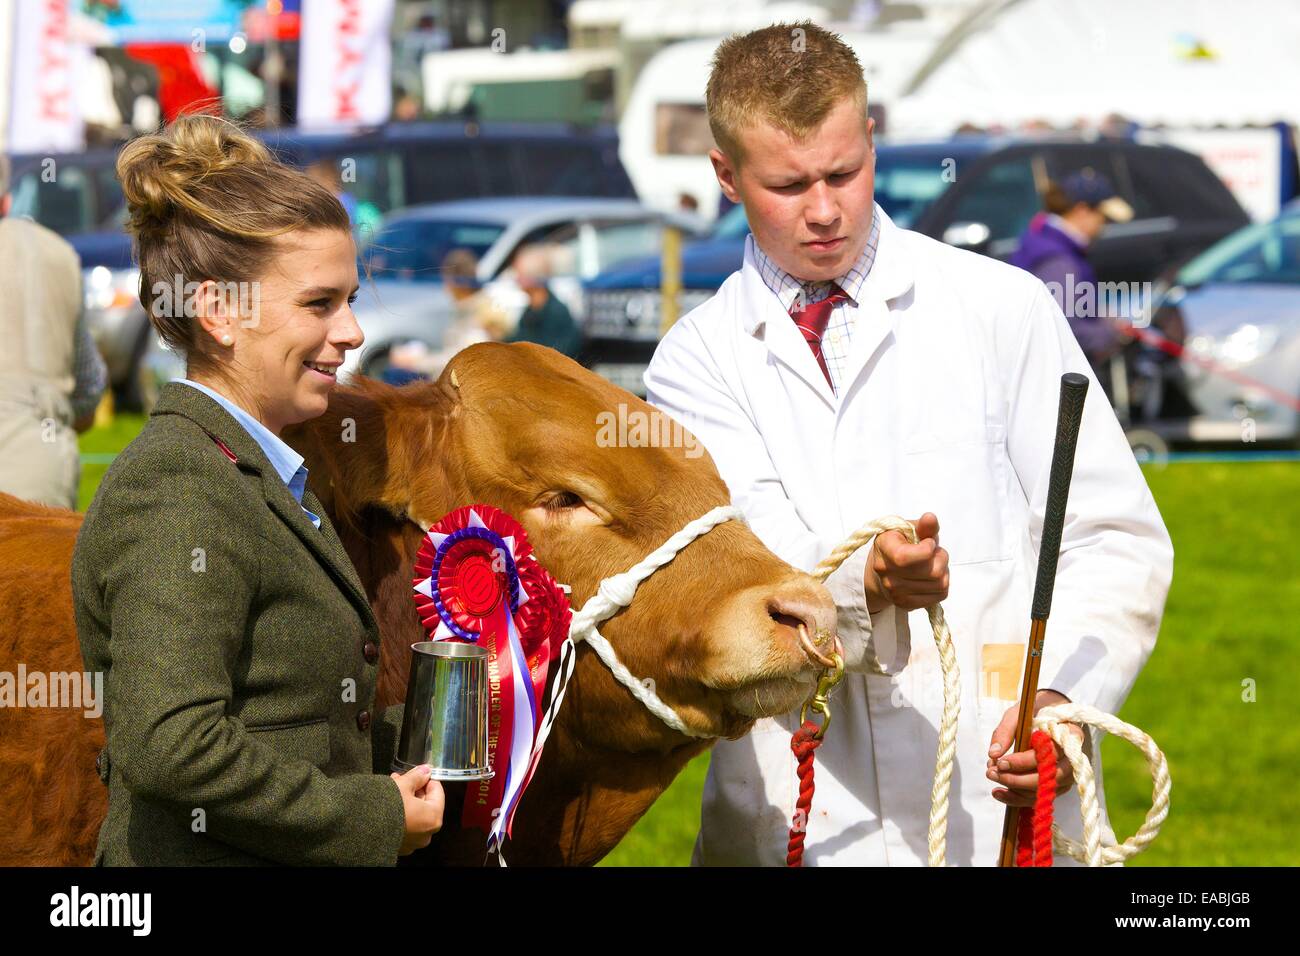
<point x="974" y="192"/>
<point x="402" y="298"/>
<point x="1238" y="306"/>
<point x="71" y="193"/>
<point x="385" y="168"/>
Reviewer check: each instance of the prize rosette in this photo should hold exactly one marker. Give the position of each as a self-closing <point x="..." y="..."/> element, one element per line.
<point x="477" y="581"/>
<point x="466" y="568"/>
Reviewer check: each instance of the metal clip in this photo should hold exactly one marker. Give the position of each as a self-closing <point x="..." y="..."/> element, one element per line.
<point x="819" y="701"/>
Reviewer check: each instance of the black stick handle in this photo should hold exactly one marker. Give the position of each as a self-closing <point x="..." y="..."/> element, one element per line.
<point x="1074" y="388"/>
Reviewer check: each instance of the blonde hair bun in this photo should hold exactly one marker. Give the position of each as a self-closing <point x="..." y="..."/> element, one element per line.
<point x="208" y="201"/>
<point x="186" y="170"/>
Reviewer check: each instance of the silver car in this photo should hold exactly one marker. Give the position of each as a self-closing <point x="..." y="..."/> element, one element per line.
<point x="1240" y="306"/>
<point x="402" y="298"/>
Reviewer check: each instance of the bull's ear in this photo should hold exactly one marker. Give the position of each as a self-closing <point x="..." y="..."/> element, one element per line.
<point x="376" y="446"/>
<point x="417" y="418"/>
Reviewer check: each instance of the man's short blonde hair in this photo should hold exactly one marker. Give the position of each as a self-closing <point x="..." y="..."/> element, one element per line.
<point x="789" y="74"/>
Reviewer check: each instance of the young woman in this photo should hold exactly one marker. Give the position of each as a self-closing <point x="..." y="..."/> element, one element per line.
<point x="239" y="653"/>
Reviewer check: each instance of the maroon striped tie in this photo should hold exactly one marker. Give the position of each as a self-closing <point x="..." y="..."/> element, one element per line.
<point x="812" y="321"/>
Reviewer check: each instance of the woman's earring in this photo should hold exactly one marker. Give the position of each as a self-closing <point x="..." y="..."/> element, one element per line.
<point x="227" y="340"/>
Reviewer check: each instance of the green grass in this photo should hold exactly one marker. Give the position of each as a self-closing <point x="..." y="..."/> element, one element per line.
<point x="97" y="444"/>
<point x="1232" y="615"/>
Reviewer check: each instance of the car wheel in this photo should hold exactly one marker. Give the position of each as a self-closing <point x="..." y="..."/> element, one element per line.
<point x="1147" y="446"/>
<point x="375" y="364"/>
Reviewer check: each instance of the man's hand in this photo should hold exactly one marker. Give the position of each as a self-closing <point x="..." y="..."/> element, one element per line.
<point x="1019" y="771"/>
<point x="905" y="575"/>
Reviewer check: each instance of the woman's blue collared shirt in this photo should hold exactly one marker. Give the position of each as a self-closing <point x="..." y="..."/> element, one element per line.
<point x="286" y="462"/>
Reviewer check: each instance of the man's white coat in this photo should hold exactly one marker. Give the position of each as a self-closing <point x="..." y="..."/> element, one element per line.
<point x="948" y="404"/>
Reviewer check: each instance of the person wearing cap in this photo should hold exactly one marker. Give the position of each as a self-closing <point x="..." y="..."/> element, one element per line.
<point x="1054" y="247"/>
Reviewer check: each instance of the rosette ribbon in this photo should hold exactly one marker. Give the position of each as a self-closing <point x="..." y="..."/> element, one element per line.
<point x="477" y="581"/>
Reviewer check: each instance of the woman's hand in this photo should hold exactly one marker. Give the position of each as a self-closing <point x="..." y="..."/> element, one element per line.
<point x="422" y="801"/>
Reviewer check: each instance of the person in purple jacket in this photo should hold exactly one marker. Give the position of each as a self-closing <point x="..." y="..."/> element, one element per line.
<point x="1054" y="247"/>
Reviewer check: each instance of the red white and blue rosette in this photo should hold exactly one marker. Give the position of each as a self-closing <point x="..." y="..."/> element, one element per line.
<point x="477" y="581"/>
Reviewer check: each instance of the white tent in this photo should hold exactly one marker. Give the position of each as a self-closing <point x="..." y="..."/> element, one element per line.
<point x="1157" y="62"/>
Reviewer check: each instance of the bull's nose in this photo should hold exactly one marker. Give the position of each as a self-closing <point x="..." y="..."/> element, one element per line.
<point x="802" y="601"/>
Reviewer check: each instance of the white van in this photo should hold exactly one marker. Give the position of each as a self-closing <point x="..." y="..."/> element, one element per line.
<point x="664" y="136"/>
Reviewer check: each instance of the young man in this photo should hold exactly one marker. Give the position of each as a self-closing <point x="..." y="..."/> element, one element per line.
<point x="918" y="380"/>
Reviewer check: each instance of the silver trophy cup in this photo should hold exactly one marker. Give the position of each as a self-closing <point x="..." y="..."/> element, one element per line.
<point x="445" y="724"/>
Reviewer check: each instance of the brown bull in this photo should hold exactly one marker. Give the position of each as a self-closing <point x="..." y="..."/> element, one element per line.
<point x="517" y="427"/>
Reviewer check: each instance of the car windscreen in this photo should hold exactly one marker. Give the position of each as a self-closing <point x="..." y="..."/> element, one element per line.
<point x="1268" y="252"/>
<point x="414" y="249"/>
<point x="64" y="202"/>
<point x="732" y="225"/>
<point x="906" y="186"/>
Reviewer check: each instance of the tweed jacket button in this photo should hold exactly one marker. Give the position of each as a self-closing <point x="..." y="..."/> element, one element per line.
<point x="371" y="652"/>
<point x="363" y="720"/>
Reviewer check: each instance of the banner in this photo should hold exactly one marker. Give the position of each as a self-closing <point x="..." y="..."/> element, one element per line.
<point x="191" y="22"/>
<point x="1249" y="161"/>
<point x="44" y="114"/>
<point x="345" y="63"/>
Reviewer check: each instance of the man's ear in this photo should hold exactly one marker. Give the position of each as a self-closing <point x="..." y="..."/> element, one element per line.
<point x="871" y="139"/>
<point x="726" y="173"/>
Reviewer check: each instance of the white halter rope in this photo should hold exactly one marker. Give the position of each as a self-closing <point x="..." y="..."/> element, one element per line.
<point x="937" y="836"/>
<point x="617" y="591"/>
<point x="1051" y="719"/>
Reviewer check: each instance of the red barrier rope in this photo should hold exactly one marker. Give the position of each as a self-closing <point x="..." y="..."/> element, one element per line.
<point x="804" y="743"/>
<point x="1154" y="338"/>
<point x="1034" y="835"/>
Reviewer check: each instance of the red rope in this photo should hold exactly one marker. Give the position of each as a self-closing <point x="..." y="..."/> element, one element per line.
<point x="1034" y="833"/>
<point x="804" y="743"/>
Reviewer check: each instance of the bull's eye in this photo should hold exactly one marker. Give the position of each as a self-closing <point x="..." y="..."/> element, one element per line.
<point x="563" y="501"/>
<point x="565" y="510"/>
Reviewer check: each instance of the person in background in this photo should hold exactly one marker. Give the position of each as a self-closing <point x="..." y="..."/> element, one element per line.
<point x="546" y="320"/>
<point x="1054" y="247"/>
<point x="364" y="216"/>
<point x="406" y="110"/>
<point x="51" y="374"/>
<point x="476" y="318"/>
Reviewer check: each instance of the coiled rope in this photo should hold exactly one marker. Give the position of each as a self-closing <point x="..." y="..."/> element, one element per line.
<point x="1051" y="720"/>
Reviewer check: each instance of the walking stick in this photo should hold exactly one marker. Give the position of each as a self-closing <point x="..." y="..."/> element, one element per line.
<point x="1074" y="387"/>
